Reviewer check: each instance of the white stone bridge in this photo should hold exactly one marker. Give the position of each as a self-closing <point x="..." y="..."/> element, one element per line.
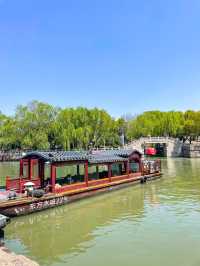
<point x="171" y="147"/>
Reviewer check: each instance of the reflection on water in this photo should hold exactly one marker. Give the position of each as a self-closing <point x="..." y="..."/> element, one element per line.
<point x="66" y="229"/>
<point x="152" y="224"/>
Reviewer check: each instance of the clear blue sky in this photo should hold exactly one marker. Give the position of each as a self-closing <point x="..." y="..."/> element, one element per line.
<point x="125" y="56"/>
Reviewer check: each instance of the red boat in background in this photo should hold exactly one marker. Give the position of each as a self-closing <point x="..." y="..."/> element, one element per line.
<point x="150" y="151"/>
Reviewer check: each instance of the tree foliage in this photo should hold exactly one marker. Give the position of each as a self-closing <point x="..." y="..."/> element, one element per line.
<point x="172" y="124"/>
<point x="41" y="126"/>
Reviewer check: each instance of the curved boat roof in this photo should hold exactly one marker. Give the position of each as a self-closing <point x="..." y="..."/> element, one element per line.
<point x="99" y="156"/>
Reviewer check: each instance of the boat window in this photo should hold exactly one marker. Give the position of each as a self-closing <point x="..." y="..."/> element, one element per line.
<point x="118" y="169"/>
<point x="134" y="167"/>
<point x="35" y="172"/>
<point x="25" y="169"/>
<point x="97" y="172"/>
<point x="70" y="174"/>
<point x="47" y="172"/>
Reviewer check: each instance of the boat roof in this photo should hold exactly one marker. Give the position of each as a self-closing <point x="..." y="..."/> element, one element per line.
<point x="99" y="158"/>
<point x="58" y="156"/>
<point x="93" y="157"/>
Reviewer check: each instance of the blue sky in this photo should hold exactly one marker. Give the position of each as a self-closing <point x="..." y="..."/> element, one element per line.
<point x="124" y="56"/>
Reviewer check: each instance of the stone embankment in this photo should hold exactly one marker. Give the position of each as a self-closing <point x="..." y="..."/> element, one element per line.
<point x="11" y="155"/>
<point x="8" y="258"/>
<point x="191" y="150"/>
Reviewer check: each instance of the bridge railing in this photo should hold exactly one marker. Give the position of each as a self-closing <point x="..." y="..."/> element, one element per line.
<point x="157" y="139"/>
<point x="153" y="139"/>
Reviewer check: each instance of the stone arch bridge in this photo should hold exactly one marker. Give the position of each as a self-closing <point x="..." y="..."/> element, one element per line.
<point x="169" y="147"/>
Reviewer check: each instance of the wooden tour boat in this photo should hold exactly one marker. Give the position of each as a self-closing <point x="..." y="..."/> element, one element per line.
<point x="60" y="177"/>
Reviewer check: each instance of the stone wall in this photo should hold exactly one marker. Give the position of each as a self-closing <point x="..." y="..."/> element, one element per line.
<point x="174" y="148"/>
<point x="191" y="150"/>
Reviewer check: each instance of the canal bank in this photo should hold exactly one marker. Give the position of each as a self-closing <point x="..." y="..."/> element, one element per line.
<point x="8" y="258"/>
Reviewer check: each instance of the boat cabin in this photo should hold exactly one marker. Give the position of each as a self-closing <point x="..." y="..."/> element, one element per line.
<point x="60" y="171"/>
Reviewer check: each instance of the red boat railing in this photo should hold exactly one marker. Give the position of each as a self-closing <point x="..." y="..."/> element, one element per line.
<point x="94" y="183"/>
<point x="17" y="184"/>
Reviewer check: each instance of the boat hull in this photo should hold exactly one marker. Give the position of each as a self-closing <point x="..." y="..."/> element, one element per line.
<point x="31" y="205"/>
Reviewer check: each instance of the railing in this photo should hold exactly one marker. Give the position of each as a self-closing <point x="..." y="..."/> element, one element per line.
<point x="17" y="184"/>
<point x="152" y="139"/>
<point x="157" y="139"/>
<point x="95" y="183"/>
<point x="70" y="187"/>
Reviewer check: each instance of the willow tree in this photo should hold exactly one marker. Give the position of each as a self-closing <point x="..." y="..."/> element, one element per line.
<point x="8" y="133"/>
<point x="35" y="123"/>
<point x="157" y="123"/>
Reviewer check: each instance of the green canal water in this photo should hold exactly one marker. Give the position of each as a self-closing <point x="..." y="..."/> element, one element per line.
<point x="153" y="224"/>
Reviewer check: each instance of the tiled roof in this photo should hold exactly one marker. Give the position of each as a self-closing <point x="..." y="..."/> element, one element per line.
<point x="94" y="157"/>
<point x="58" y="156"/>
<point x="122" y="152"/>
<point x="98" y="158"/>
